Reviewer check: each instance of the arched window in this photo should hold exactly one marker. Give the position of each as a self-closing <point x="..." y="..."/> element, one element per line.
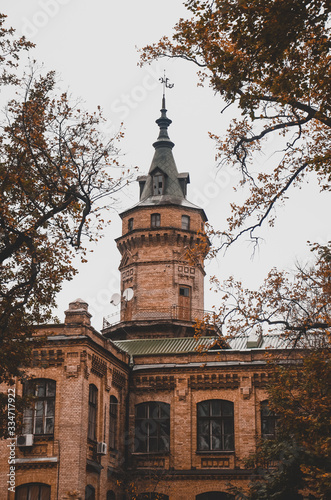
<point x="155" y="220"/>
<point x="152" y="429"/>
<point x="215" y="425"/>
<point x="185" y="222"/>
<point x="92" y="413"/>
<point x="158" y="184"/>
<point x="268" y="421"/>
<point x="33" y="491"/>
<point x="113" y="411"/>
<point x="111" y="495"/>
<point x="89" y="492"/>
<point x="38" y="419"/>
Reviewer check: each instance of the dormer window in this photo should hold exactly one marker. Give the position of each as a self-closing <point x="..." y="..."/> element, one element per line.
<point x="158" y="184"/>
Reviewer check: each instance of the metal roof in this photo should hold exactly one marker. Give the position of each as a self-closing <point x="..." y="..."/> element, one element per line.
<point x="141" y="347"/>
<point x="173" y="192"/>
<point x="161" y="346"/>
<point x="163" y="161"/>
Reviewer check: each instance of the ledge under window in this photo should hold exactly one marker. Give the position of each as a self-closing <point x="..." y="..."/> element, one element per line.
<point x="215" y="452"/>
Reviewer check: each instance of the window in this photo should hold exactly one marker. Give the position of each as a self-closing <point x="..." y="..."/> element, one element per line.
<point x="130" y="224"/>
<point x="111" y="495"/>
<point x="152" y="433"/>
<point x="158" y="184"/>
<point x="33" y="491"/>
<point x="38" y="419"/>
<point x="215" y="425"/>
<point x="155" y="220"/>
<point x="113" y="405"/>
<point x="268" y="422"/>
<point x="184" y="303"/>
<point x="185" y="222"/>
<point x="92" y="413"/>
<point x="89" y="492"/>
<point x="184" y="291"/>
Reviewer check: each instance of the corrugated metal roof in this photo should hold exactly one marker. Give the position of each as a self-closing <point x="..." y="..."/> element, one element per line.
<point x="138" y="347"/>
<point x="162" y="346"/>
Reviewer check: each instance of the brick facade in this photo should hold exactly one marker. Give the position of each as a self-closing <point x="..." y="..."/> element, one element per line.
<point x="154" y="263"/>
<point x="148" y="359"/>
<point x="74" y="356"/>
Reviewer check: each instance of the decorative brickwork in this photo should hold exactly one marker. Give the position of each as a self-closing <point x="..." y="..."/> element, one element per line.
<point x="153" y="383"/>
<point x="214" y="381"/>
<point x="46" y="358"/>
<point x="118" y="379"/>
<point x="99" y="367"/>
<point x="141" y="405"/>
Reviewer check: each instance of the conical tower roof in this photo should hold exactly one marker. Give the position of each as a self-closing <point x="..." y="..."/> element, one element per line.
<point x="163" y="163"/>
<point x="174" y="184"/>
<point x="163" y="185"/>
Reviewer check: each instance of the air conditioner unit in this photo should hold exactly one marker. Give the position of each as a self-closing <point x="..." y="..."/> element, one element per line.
<point x="101" y="449"/>
<point x="25" y="440"/>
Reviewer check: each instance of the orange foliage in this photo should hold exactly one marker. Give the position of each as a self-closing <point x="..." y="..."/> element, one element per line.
<point x="272" y="59"/>
<point x="57" y="173"/>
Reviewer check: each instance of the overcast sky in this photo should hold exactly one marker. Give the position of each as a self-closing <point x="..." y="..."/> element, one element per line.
<point x="92" y="46"/>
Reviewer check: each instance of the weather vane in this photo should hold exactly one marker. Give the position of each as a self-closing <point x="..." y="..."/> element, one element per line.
<point x="166" y="84"/>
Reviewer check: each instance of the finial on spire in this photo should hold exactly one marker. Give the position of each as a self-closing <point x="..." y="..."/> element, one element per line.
<point x="166" y="85"/>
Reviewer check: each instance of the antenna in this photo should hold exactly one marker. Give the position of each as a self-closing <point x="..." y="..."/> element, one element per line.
<point x="115" y="299"/>
<point x="128" y="294"/>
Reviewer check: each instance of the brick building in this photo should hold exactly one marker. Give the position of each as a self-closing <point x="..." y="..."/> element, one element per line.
<point x="137" y="410"/>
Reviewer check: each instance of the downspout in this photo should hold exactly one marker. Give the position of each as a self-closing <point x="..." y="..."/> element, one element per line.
<point x="127" y="413"/>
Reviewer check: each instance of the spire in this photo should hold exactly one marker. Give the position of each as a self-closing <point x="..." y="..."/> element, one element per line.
<point x="163" y="122"/>
<point x="163" y="164"/>
<point x="163" y="184"/>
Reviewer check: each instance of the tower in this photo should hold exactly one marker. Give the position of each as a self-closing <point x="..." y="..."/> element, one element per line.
<point x="162" y="291"/>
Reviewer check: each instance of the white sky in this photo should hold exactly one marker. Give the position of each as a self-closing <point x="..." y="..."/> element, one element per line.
<point x="92" y="46"/>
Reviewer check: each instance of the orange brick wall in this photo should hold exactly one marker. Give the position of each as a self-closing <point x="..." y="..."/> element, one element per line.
<point x="236" y="377"/>
<point x="171" y="216"/>
<point x="189" y="387"/>
<point x="154" y="261"/>
<point x="80" y="367"/>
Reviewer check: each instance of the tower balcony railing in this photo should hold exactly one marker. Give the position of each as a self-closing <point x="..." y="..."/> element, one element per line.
<point x="162" y="314"/>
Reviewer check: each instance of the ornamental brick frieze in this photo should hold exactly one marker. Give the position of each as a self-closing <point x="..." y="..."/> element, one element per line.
<point x="215" y="463"/>
<point x="45" y="358"/>
<point x="214" y="381"/>
<point x="261" y="380"/>
<point x="154" y="383"/>
<point x="186" y="271"/>
<point x="99" y="367"/>
<point x="149" y="463"/>
<point x="171" y="237"/>
<point x="118" y="379"/>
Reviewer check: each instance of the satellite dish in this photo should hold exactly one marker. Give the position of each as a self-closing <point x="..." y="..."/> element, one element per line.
<point x="128" y="294"/>
<point x="115" y="299"/>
